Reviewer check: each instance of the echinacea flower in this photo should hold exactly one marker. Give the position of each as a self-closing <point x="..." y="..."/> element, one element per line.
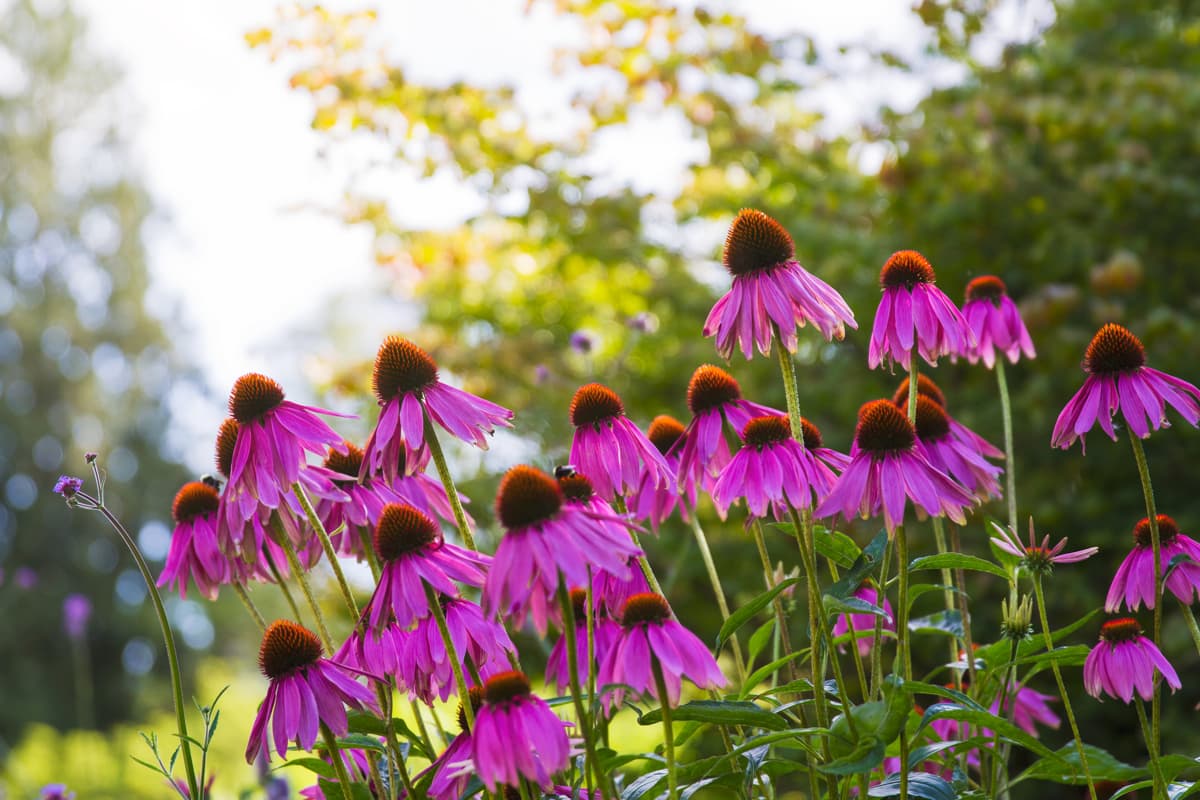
<point x="774" y="470"/>
<point x="927" y="388"/>
<point x="609" y="448"/>
<point x="547" y="541"/>
<point x="516" y="735"/>
<point x="1123" y="661"/>
<point x="887" y="470"/>
<point x="306" y="691"/>
<point x="422" y="664"/>
<point x="370" y="652"/>
<point x="863" y="625"/>
<point x="1119" y="380"/>
<point x="771" y="292"/>
<point x="195" y="550"/>
<point x="652" y="639"/>
<point x="358" y="769"/>
<point x="995" y="322"/>
<point x="715" y="399"/>
<point x="558" y="670"/>
<point x="1028" y="708"/>
<point x="948" y="454"/>
<point x="359" y="504"/>
<point x="915" y="313"/>
<point x="1134" y="581"/>
<point x="1038" y="558"/>
<point x="452" y="770"/>
<point x="412" y="553"/>
<point x="406" y="384"/>
<point x="652" y="500"/>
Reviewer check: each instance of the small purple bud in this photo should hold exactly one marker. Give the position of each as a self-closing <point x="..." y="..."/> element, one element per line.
<point x="68" y="486"/>
<point x="89" y="458"/>
<point x="541" y="374"/>
<point x="582" y="342"/>
<point x="77" y="610"/>
<point x="644" y="322"/>
<point x="25" y="578"/>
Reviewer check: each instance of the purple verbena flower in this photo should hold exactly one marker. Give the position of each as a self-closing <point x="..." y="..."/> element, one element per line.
<point x="609" y="448"/>
<point x="1123" y="661"/>
<point x="915" y="313"/>
<point x="995" y="322"/>
<point x="67" y="486"/>
<point x="1134" y="582"/>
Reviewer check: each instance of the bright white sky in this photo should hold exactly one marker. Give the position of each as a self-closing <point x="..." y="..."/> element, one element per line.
<point x="226" y="149"/>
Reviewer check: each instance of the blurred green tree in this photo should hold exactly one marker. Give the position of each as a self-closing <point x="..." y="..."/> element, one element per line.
<point x="83" y="366"/>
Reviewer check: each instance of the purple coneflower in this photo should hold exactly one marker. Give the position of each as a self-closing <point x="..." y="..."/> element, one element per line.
<point x="995" y="322"/>
<point x="714" y="398"/>
<point x="948" y="454"/>
<point x="358" y="769"/>
<point x="914" y="312"/>
<point x="927" y="388"/>
<point x="359" y="506"/>
<point x="887" y="469"/>
<point x="516" y="735"/>
<point x="422" y="664"/>
<point x="1119" y="380"/>
<point x="195" y="551"/>
<point x="558" y="669"/>
<point x="770" y="292"/>
<point x="452" y="770"/>
<point x="609" y="448"/>
<point x="653" y="500"/>
<point x="1028" y="708"/>
<point x="412" y="553"/>
<point x="405" y="382"/>
<point x="774" y="470"/>
<point x="1134" y="581"/>
<point x="865" y="623"/>
<point x="547" y="541"/>
<point x="306" y="691"/>
<point x="652" y="638"/>
<point x="1038" y="558"/>
<point x="371" y="652"/>
<point x="1125" y="660"/>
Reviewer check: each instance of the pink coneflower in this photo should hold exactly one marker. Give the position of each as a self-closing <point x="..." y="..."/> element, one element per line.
<point x="609" y="448"/>
<point x="1028" y="708"/>
<point x="422" y="664"/>
<point x="927" y="388"/>
<point x="651" y="637"/>
<point x="714" y="398"/>
<point x="995" y="322"/>
<point x="1125" y="660"/>
<point x="452" y="770"/>
<point x="609" y="591"/>
<point x="359" y="506"/>
<point x="770" y="292"/>
<point x="412" y="553"/>
<point x="370" y="652"/>
<point x="1038" y="558"/>
<point x="195" y="551"/>
<point x="865" y="623"/>
<point x="516" y="735"/>
<point x="887" y="470"/>
<point x="774" y="470"/>
<point x="547" y="541"/>
<point x="1134" y="581"/>
<point x="405" y="382"/>
<point x="558" y="669"/>
<point x="358" y="769"/>
<point x="948" y="454"/>
<point x="1119" y="380"/>
<point x="272" y="438"/>
<point x="914" y="311"/>
<point x="652" y="500"/>
<point x="306" y="691"/>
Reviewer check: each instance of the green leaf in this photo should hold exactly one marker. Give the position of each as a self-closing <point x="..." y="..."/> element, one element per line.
<point x="365" y="722"/>
<point x="851" y="605"/>
<point x="996" y="654"/>
<point x="317" y="765"/>
<point x="918" y="589"/>
<point x="760" y="638"/>
<point x="920" y="784"/>
<point x="331" y="788"/>
<point x="1103" y="765"/>
<point x="865" y="757"/>
<point x="836" y="546"/>
<point x="985" y="719"/>
<point x="867" y="562"/>
<point x="762" y="673"/>
<point x="957" y="561"/>
<point x="740" y="617"/>
<point x="362" y="742"/>
<point x="721" y="712"/>
<point x="919" y="687"/>
<point x="948" y="623"/>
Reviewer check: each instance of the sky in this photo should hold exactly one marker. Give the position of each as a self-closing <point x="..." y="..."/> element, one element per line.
<point x="244" y="251"/>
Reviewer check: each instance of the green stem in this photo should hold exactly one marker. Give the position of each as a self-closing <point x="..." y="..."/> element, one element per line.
<point x="781" y="626"/>
<point x="1062" y="689"/>
<point x="668" y="733"/>
<point x="1160" y="781"/>
<point x="568" y="621"/>
<point x="964" y="610"/>
<point x="1009" y="473"/>
<point x="903" y="657"/>
<point x="714" y="578"/>
<point x="912" y="386"/>
<point x="315" y="523"/>
<point x="439" y="461"/>
<point x="939" y="536"/>
<point x="339" y="767"/>
<point x="1191" y="623"/>
<point x="647" y="570"/>
<point x="1143" y="469"/>
<point x="877" y="642"/>
<point x="393" y="746"/>
<point x="168" y="638"/>
<point x="422" y="729"/>
<point x="460" y="679"/>
<point x="368" y="545"/>
<point x="240" y="590"/>
<point x="285" y="541"/>
<point x="999" y="756"/>
<point x="287" y="593"/>
<point x="788" y="371"/>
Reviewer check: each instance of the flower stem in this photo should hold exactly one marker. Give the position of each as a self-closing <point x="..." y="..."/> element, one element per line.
<point x="1062" y="689"/>
<point x="568" y="622"/>
<point x="715" y="579"/>
<point x="1191" y="623"/>
<point x="364" y="536"/>
<point x="439" y="461"/>
<point x="668" y="733"/>
<point x="964" y="609"/>
<point x="903" y="657"/>
<point x="460" y="679"/>
<point x="1139" y="455"/>
<point x="383" y="690"/>
<point x="877" y="640"/>
<point x="643" y="562"/>
<point x="285" y="541"/>
<point x="788" y="370"/>
<point x="287" y="593"/>
<point x="239" y="589"/>
<point x="1160" y="782"/>
<point x="315" y="523"/>
<point x="339" y="766"/>
<point x="1010" y="476"/>
<point x="781" y="628"/>
<point x="939" y="536"/>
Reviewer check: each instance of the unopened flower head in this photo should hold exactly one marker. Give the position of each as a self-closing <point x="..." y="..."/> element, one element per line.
<point x="1038" y="557"/>
<point x="915" y="314"/>
<point x="1119" y="380"/>
<point x="1123" y="661"/>
<point x="771" y="293"/>
<point x="1016" y="618"/>
<point x="995" y="322"/>
<point x="609" y="448"/>
<point x="1133" y="583"/>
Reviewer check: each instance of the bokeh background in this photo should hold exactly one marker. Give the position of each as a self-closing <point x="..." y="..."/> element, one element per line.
<point x="192" y="192"/>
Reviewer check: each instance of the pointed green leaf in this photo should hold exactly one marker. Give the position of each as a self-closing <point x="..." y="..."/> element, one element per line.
<point x="957" y="561"/>
<point x="920" y="784"/>
<point x="719" y="712"/>
<point x="864" y="566"/>
<point x="740" y="617"/>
